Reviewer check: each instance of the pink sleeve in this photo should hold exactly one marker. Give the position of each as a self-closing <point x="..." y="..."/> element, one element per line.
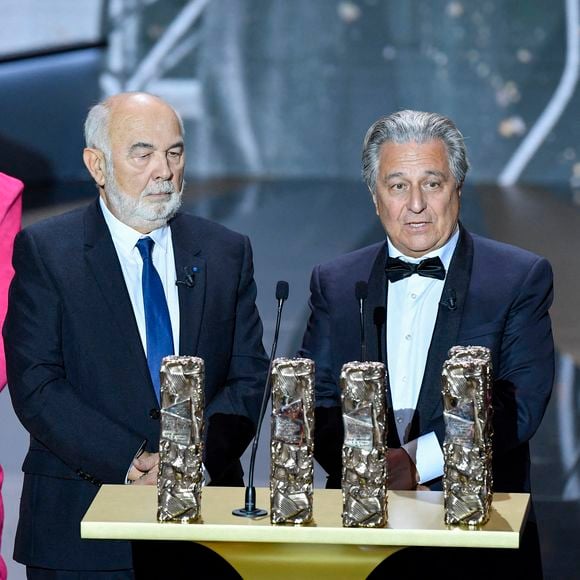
<point x="10" y="222"/>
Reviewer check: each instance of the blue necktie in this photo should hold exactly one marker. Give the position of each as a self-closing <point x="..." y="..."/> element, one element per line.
<point x="157" y="321"/>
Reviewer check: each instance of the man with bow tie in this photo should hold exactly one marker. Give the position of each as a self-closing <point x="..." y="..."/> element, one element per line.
<point x="431" y="285"/>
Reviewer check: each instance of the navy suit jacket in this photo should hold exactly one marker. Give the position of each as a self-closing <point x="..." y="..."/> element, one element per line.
<point x="79" y="380"/>
<point x="495" y="295"/>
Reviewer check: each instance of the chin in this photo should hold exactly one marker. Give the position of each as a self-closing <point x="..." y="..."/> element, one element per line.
<point x="160" y="210"/>
<point x="418" y="246"/>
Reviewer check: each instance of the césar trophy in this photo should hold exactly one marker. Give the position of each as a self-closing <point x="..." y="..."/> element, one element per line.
<point x="364" y="450"/>
<point x="180" y="478"/>
<point x="292" y="443"/>
<point x="467" y="451"/>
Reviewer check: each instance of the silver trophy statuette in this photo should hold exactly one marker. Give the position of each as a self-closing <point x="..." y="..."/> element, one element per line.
<point x="467" y="410"/>
<point x="364" y="450"/>
<point x="180" y="478"/>
<point x="292" y="448"/>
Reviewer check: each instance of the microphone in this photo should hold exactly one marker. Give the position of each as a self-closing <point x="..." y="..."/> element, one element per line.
<point x="250" y="510"/>
<point x="450" y="300"/>
<point x="379" y="319"/>
<point x="189" y="277"/>
<point x="361" y="291"/>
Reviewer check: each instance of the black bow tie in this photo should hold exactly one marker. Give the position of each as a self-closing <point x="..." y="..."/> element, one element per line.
<point x="398" y="269"/>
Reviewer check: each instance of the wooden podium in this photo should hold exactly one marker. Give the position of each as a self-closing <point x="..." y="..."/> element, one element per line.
<point x="256" y="548"/>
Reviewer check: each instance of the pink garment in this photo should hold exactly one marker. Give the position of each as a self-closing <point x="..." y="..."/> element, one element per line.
<point x="10" y="222"/>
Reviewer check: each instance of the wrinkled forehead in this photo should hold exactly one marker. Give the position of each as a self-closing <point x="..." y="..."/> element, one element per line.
<point x="143" y="121"/>
<point x="419" y="156"/>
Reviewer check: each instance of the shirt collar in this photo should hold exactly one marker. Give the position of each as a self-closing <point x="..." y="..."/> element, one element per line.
<point x="125" y="237"/>
<point x="445" y="252"/>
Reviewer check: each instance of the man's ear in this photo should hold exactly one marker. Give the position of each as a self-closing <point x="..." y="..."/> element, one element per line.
<point x="95" y="163"/>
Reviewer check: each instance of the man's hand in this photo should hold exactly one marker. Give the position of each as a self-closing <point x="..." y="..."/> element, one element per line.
<point x="144" y="469"/>
<point x="402" y="471"/>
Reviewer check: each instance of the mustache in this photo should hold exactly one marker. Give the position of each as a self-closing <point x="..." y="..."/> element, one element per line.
<point x="161" y="187"/>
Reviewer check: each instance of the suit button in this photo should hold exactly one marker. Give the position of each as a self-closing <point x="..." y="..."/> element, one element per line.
<point x="154" y="414"/>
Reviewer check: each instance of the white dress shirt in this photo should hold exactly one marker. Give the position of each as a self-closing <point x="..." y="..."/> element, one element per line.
<point x="412" y="306"/>
<point x="125" y="239"/>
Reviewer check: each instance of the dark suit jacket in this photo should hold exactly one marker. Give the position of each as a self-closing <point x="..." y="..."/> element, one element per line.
<point x="79" y="380"/>
<point x="495" y="295"/>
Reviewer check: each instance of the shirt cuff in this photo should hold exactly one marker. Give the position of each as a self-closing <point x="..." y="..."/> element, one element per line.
<point x="427" y="455"/>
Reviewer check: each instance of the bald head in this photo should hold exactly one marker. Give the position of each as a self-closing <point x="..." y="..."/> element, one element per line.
<point x="101" y="118"/>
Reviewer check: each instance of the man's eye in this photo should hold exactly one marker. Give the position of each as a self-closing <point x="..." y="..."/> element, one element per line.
<point x="175" y="154"/>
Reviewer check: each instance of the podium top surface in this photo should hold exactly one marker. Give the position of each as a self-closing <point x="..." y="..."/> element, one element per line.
<point x="415" y="518"/>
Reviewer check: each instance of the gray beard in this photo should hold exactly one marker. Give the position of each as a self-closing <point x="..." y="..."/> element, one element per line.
<point x="141" y="213"/>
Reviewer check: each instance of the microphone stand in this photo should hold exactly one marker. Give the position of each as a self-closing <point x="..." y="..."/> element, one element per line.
<point x="361" y="291"/>
<point x="250" y="510"/>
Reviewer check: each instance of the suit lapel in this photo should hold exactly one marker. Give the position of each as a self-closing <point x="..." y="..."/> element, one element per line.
<point x="376" y="331"/>
<point x="446" y="329"/>
<point x="103" y="263"/>
<point x="186" y="249"/>
<point x="376" y="308"/>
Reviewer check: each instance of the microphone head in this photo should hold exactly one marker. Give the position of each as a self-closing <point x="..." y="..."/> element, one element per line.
<point x="282" y="290"/>
<point x="361" y="290"/>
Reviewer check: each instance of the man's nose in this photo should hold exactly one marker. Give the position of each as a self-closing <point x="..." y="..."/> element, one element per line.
<point x="416" y="202"/>
<point x="162" y="168"/>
